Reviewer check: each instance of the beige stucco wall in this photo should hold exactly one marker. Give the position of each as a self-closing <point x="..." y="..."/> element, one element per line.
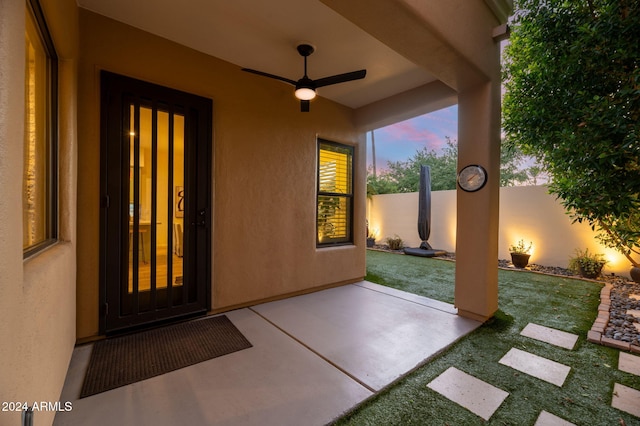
<point x="393" y="215"/>
<point x="264" y="212"/>
<point x="37" y="296"/>
<point x="528" y="213"/>
<point x="264" y="160"/>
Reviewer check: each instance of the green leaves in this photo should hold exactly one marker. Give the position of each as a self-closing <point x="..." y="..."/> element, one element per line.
<point x="573" y="100"/>
<point x="403" y="176"/>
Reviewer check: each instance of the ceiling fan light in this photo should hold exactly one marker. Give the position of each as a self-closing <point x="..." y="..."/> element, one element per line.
<point x="305" y="93"/>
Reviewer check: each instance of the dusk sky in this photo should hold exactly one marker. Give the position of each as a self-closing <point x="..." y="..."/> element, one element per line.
<point x="400" y="141"/>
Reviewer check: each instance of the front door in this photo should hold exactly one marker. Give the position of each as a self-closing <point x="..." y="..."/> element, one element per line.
<point x="156" y="204"/>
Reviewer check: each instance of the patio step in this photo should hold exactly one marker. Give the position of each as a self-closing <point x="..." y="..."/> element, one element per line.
<point x="474" y="394"/>
<point x="484" y="399"/>
<point x="557" y="338"/>
<point x="547" y="419"/>
<point x="480" y="397"/>
<point x="536" y="366"/>
<point x="550" y="335"/>
<point x="625" y="398"/>
<point x="629" y="363"/>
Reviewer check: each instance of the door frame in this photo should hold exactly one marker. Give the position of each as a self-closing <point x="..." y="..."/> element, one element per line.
<point x="114" y="176"/>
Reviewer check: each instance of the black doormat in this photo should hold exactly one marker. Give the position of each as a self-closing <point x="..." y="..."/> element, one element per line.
<point x="123" y="360"/>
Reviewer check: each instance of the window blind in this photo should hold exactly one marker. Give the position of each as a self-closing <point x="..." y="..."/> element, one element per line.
<point x="335" y="193"/>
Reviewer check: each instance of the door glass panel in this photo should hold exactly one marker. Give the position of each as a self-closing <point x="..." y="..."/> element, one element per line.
<point x="156" y="187"/>
<point x="139" y="200"/>
<point x="178" y="201"/>
<point x="144" y="209"/>
<point x="163" y="220"/>
<point x="134" y="218"/>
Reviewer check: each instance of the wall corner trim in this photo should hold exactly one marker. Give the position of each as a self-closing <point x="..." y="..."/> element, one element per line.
<point x="502" y="9"/>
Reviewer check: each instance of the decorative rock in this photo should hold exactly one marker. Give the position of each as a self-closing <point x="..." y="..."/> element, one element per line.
<point x="623" y="325"/>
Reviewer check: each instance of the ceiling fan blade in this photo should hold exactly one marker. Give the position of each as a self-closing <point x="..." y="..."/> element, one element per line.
<point x="340" y="78"/>
<point x="304" y="106"/>
<point x="264" y="74"/>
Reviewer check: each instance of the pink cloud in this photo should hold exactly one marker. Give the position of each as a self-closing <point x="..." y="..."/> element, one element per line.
<point x="400" y="141"/>
<point x="417" y="133"/>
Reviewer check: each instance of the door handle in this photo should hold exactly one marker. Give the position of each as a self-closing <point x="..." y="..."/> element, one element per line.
<point x="202" y="219"/>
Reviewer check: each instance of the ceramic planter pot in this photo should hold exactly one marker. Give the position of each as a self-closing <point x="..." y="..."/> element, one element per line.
<point x="635" y="274"/>
<point x="371" y="242"/>
<point x="591" y="275"/>
<point x="520" y="260"/>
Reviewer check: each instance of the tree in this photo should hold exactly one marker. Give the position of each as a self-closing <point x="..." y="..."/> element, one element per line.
<point x="534" y="173"/>
<point x="379" y="184"/>
<point x="573" y="100"/>
<point x="511" y="171"/>
<point x="404" y="176"/>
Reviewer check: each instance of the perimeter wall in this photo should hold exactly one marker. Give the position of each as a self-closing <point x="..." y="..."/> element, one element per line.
<point x="526" y="212"/>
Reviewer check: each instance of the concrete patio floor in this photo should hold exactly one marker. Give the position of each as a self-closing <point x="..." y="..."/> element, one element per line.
<point x="313" y="358"/>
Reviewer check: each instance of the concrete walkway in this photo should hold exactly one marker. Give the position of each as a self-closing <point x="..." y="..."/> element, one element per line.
<point x="313" y="358"/>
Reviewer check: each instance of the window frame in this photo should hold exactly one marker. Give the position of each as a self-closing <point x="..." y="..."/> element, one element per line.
<point x="51" y="213"/>
<point x="349" y="196"/>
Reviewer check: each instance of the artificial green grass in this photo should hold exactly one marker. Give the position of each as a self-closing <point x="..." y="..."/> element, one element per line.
<point x="562" y="303"/>
<point x="409" y="274"/>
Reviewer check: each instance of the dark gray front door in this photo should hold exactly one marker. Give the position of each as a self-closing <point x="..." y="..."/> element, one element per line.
<point x="156" y="203"/>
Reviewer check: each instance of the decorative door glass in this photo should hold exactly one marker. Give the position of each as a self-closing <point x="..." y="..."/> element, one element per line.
<point x="156" y="203"/>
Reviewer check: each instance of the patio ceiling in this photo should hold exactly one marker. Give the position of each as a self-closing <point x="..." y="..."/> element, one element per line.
<point x="263" y="35"/>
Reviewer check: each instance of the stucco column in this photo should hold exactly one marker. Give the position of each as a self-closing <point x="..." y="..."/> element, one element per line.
<point x="476" y="287"/>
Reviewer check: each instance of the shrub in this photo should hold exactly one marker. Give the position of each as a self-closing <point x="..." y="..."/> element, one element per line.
<point x="395" y="243"/>
<point x="587" y="264"/>
<point x="521" y="248"/>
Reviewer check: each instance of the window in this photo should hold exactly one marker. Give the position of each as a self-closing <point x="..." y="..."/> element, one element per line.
<point x="335" y="194"/>
<point x="39" y="197"/>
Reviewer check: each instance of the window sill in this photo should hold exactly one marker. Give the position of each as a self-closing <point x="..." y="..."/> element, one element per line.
<point x="39" y="249"/>
<point x="341" y="246"/>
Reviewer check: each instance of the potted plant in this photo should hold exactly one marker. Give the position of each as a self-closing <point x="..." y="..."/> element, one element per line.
<point x="520" y="254"/>
<point x="371" y="237"/>
<point x="587" y="265"/>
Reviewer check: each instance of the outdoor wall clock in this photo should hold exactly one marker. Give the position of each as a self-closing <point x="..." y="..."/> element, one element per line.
<point x="472" y="178"/>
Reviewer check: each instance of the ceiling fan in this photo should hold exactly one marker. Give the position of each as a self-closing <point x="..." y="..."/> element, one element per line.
<point x="306" y="87"/>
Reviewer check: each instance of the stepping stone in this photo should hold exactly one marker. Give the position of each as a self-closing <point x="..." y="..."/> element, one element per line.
<point x="634" y="312"/>
<point x="548" y="419"/>
<point x="634" y="296"/>
<point x="629" y="363"/>
<point x="626" y="399"/>
<point x="477" y="396"/>
<point x="536" y="366"/>
<point x="550" y="335"/>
